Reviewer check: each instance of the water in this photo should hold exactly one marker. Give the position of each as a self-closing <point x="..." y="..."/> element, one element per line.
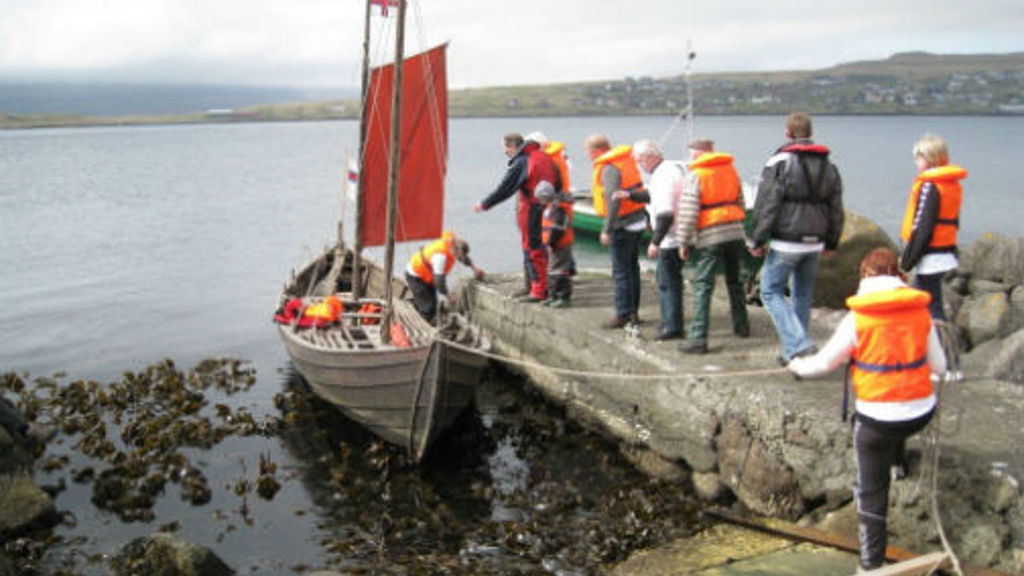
<point x="123" y="246"/>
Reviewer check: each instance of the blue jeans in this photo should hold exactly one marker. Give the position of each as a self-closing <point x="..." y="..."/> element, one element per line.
<point x="625" y="250"/>
<point x="670" y="290"/>
<point x="791" y="319"/>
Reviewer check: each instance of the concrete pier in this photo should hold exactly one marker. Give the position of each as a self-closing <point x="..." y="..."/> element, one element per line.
<point x="737" y="425"/>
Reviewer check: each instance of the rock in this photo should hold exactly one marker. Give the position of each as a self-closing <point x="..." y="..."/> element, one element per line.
<point x="838" y="276"/>
<point x="164" y="555"/>
<point x="758" y="478"/>
<point x="23" y="505"/>
<point x="980" y="545"/>
<point x="984" y="317"/>
<point x="1002" y="493"/>
<point x="15" y="454"/>
<point x="842" y="521"/>
<point x="708" y="486"/>
<point x="995" y="257"/>
<point x="1017" y="298"/>
<point x="1008" y="361"/>
<point x="653" y="465"/>
<point x="979" y="286"/>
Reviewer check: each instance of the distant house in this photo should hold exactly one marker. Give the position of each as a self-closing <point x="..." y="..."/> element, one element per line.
<point x="220" y="113"/>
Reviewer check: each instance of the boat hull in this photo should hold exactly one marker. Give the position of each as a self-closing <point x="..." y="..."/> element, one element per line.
<point x="405" y="395"/>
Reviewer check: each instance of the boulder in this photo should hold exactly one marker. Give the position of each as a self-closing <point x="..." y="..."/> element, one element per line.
<point x="995" y="257"/>
<point x="758" y="478"/>
<point x="164" y="555"/>
<point x="985" y="317"/>
<point x="23" y="506"/>
<point x="1008" y="362"/>
<point x="838" y="276"/>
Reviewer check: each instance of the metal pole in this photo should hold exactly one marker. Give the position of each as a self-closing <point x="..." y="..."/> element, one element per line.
<point x="393" y="173"/>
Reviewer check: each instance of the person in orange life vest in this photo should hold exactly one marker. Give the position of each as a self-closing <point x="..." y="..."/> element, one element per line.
<point x="527" y="166"/>
<point x="625" y="221"/>
<point x="428" y="271"/>
<point x="895" y="354"/>
<point x="710" y="217"/>
<point x="932" y="218"/>
<point x="557" y="234"/>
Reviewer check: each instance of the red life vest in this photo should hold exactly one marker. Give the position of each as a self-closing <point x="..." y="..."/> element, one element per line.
<point x="420" y="262"/>
<point x="890" y="362"/>
<point x="721" y="195"/>
<point x="539" y="166"/>
<point x="947" y="181"/>
<point x="622" y="158"/>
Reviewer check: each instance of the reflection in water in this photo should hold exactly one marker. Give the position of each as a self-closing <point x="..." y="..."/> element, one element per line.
<point x="513" y="488"/>
<point x="293" y="486"/>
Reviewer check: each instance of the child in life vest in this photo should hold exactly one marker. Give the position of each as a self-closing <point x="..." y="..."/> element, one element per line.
<point x="895" y="354"/>
<point x="557" y="236"/>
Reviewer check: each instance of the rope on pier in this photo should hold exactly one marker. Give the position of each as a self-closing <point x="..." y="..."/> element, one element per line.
<point x="610" y="375"/>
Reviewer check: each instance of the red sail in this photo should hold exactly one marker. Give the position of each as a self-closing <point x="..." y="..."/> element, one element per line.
<point x="423" y="153"/>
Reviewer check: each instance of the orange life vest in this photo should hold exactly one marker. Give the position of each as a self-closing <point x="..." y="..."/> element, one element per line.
<point x="721" y="195"/>
<point x="947" y="180"/>
<point x="548" y="225"/>
<point x="324" y="312"/>
<point x="622" y="158"/>
<point x="557" y="152"/>
<point x="890" y="362"/>
<point x="420" y="262"/>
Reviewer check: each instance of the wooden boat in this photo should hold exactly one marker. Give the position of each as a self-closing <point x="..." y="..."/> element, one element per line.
<point x="380" y="362"/>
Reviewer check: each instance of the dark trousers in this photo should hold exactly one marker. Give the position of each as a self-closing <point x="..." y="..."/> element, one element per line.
<point x="878" y="446"/>
<point x="625" y="251"/>
<point x="932" y="284"/>
<point x="424" y="296"/>
<point x="670" y="290"/>
<point x="706" y="259"/>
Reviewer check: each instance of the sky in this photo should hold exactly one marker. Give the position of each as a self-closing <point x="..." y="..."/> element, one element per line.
<point x="317" y="43"/>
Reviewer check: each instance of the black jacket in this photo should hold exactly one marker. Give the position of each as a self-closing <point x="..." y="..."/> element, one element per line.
<point x="800" y="198"/>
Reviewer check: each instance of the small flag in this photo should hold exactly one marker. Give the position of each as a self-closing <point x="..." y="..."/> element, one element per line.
<point x="353" y="172"/>
<point x="384" y="5"/>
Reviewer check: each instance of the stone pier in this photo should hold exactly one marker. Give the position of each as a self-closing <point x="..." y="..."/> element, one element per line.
<point x="739" y="427"/>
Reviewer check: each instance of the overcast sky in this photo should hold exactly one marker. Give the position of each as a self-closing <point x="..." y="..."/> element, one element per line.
<point x="317" y="42"/>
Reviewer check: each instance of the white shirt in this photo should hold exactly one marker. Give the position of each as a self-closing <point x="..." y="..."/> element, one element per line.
<point x="665" y="185"/>
<point x="839" y="348"/>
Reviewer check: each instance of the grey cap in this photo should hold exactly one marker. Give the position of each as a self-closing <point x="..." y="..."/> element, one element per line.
<point x="544" y="191"/>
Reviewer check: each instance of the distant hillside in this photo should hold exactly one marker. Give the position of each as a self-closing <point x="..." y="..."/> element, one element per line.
<point x="907" y="83"/>
<point x="114" y="99"/>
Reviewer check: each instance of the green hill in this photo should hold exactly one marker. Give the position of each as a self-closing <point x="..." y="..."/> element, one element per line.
<point x="906" y="83"/>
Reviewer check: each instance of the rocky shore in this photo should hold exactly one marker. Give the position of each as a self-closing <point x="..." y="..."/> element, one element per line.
<point x="744" y="432"/>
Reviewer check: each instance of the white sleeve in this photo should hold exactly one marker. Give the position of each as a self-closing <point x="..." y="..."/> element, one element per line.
<point x="835" y="353"/>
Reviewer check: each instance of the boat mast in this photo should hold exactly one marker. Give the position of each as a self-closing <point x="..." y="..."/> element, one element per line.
<point x="357" y="248"/>
<point x="690" y="55"/>
<point x="393" y="173"/>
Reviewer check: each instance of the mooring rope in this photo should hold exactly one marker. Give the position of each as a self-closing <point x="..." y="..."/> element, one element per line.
<point x="950" y="347"/>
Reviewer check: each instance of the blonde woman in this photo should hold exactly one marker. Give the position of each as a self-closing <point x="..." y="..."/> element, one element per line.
<point x="932" y="218"/>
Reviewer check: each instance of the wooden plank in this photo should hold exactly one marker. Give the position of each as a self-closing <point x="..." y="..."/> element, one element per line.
<point x="919" y="566"/>
<point x="806" y="534"/>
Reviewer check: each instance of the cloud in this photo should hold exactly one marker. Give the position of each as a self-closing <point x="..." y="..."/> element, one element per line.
<point x="318" y="42"/>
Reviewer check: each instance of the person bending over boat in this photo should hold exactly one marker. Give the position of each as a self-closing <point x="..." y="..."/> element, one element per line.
<point x="528" y="165"/>
<point x="894" y="353"/>
<point x="428" y="271"/>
